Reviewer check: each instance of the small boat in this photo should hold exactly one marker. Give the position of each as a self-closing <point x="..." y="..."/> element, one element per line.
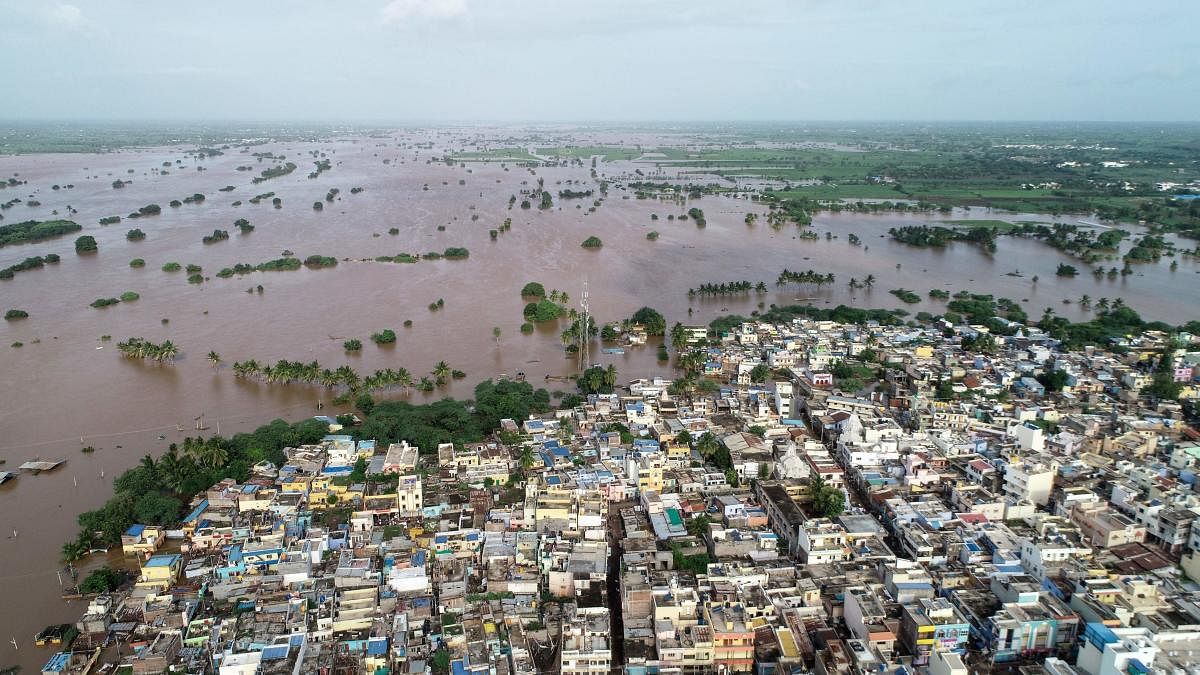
<point x="6" y="476"/>
<point x="613" y="350"/>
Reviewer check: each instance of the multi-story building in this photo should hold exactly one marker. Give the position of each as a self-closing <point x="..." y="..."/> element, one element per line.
<point x="586" y="647"/>
<point x="1031" y="481"/>
<point x="931" y="624"/>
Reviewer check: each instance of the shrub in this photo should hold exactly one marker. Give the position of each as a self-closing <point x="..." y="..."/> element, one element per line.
<point x="135" y="235"/>
<point x="533" y="289"/>
<point x="320" y="261"/>
<point x="14" y="314"/>
<point x="592" y="242"/>
<point x="526" y="327"/>
<point x="137" y="262"/>
<point x="384" y="337"/>
<point x="543" y="310"/>
<point x="104" y="302"/>
<point x="129" y="296"/>
<point x="217" y="235"/>
<point x="172" y="267"/>
<point x="353" y="345"/>
<point x="86" y="244"/>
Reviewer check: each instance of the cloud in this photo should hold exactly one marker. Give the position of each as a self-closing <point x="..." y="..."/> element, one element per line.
<point x="399" y="11"/>
<point x="66" y="15"/>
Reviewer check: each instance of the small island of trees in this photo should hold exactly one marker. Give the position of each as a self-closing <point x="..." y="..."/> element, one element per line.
<point x="320" y="261"/>
<point x="542" y="310"/>
<point x="31" y="263"/>
<point x="905" y="295"/>
<point x="217" y="235"/>
<point x="651" y="319"/>
<point x="141" y="348"/>
<point x="86" y="244"/>
<point x="15" y="314"/>
<point x="807" y="277"/>
<point x="135" y="235"/>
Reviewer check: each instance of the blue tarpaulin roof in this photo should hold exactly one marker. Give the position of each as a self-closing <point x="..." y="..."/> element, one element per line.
<point x="57" y="663"/>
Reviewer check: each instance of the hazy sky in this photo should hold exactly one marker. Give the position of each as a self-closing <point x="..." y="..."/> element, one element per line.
<point x="547" y="60"/>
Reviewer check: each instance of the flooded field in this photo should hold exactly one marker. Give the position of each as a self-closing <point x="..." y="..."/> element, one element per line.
<point x="66" y="388"/>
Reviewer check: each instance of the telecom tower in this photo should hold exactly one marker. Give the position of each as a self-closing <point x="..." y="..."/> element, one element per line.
<point x="584" y="322"/>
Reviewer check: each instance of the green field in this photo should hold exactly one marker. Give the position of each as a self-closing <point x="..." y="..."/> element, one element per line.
<point x="1000" y="226"/>
<point x="609" y="153"/>
<point x="496" y="155"/>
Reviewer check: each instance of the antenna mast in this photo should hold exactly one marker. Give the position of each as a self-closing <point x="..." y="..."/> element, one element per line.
<point x="585" y="323"/>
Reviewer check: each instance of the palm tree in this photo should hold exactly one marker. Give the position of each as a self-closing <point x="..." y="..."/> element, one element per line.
<point x="707" y="445"/>
<point x="214" y="358"/>
<point x="149" y="464"/>
<point x="815" y="485"/>
<point x="167" y="351"/>
<point x="441" y="371"/>
<point x="869" y="280"/>
<point x="526" y="458"/>
<point x="1102" y="304"/>
<point x="1085" y="301"/>
<point x="210" y="454"/>
<point x="74" y="550"/>
<point x="496" y="334"/>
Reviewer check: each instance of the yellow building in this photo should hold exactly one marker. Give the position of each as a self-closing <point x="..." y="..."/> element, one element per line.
<point x="161" y="571"/>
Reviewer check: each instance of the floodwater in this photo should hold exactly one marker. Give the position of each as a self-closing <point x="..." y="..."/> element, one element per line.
<point x="66" y="388"/>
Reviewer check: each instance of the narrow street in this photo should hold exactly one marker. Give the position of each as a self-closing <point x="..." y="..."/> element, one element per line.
<point x="616" y="621"/>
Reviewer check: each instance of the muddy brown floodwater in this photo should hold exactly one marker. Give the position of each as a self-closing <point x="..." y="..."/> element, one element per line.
<point x="66" y="388"/>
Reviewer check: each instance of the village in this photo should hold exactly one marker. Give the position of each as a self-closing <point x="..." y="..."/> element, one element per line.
<point x="839" y="498"/>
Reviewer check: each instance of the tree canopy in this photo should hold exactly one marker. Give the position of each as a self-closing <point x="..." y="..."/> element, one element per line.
<point x="654" y="322"/>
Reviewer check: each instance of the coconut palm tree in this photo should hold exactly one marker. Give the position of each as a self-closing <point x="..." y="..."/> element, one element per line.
<point x="208" y="454"/>
<point x="869" y="281"/>
<point x="167" y="351"/>
<point x="441" y="372"/>
<point x="74" y="550"/>
<point x="214" y="358"/>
